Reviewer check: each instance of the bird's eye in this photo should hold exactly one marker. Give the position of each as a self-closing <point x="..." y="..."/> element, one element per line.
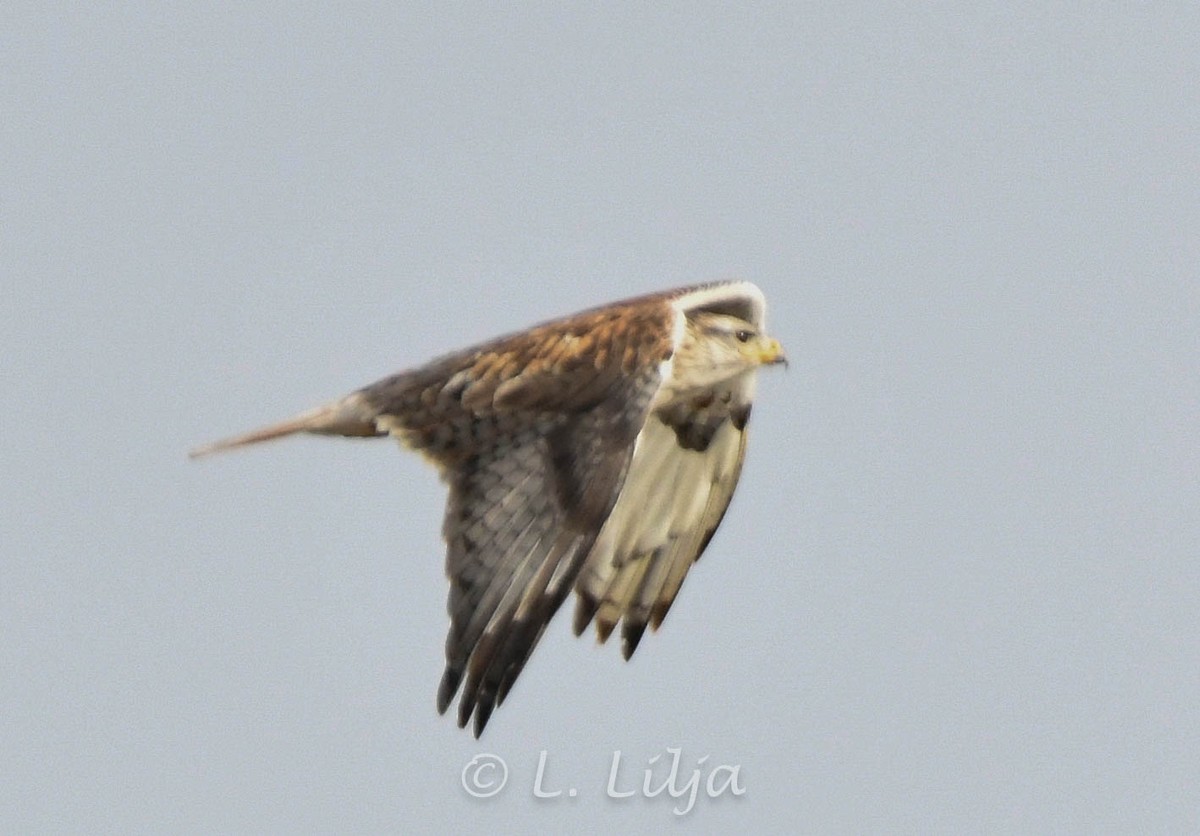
<point x="742" y="336"/>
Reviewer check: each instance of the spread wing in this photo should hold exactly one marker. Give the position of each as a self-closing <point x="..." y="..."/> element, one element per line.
<point x="686" y="465"/>
<point x="534" y="435"/>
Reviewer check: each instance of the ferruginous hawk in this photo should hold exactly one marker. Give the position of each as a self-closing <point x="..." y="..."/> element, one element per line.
<point x="598" y="451"/>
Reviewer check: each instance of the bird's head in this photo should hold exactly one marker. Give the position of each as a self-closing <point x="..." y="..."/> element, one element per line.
<point x="718" y="346"/>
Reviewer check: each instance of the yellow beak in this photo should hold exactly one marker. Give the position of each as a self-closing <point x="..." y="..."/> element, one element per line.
<point x="771" y="353"/>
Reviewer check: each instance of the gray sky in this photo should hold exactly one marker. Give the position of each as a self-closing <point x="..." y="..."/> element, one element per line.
<point x="958" y="586"/>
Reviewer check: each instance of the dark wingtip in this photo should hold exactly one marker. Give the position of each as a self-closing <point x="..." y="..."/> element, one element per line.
<point x="658" y="612"/>
<point x="604" y="629"/>
<point x="586" y="605"/>
<point x="631" y="636"/>
<point x="507" y="681"/>
<point x="505" y="684"/>
<point x="466" y="703"/>
<point x="483" y="712"/>
<point x="448" y="687"/>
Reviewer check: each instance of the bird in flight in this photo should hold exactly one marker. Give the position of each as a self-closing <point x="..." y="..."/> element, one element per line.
<point x="597" y="452"/>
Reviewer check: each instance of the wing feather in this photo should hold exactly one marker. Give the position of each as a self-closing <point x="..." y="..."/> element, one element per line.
<point x="534" y="435"/>
<point x="654" y="600"/>
<point x="673" y="499"/>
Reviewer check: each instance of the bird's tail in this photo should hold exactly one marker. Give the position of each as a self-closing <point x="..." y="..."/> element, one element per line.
<point x="349" y="416"/>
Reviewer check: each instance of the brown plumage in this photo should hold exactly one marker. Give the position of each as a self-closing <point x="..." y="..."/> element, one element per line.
<point x="598" y="451"/>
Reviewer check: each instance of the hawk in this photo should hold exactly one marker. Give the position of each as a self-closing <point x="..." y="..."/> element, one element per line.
<point x="597" y="452"/>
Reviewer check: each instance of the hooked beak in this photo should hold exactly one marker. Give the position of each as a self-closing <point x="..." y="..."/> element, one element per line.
<point x="772" y="354"/>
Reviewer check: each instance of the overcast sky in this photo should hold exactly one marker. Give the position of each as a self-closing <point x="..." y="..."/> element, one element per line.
<point x="957" y="589"/>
